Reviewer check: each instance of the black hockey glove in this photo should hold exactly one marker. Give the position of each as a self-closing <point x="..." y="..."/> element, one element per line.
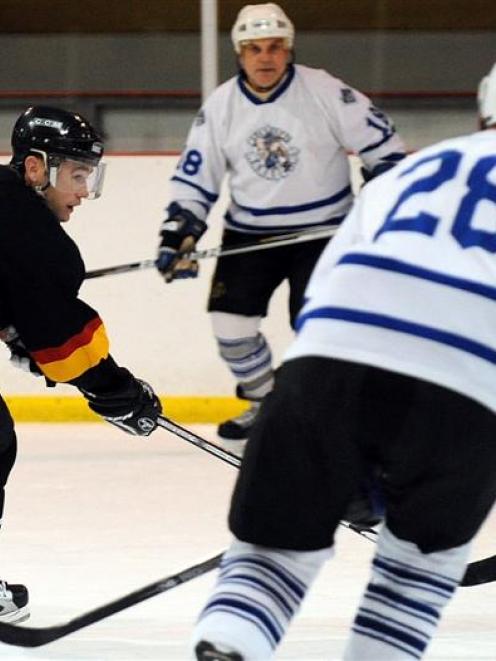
<point x="19" y="355"/>
<point x="379" y="168"/>
<point x="134" y="407"/>
<point x="179" y="233"/>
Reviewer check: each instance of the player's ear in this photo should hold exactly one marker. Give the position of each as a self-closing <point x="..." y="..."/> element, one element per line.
<point x="34" y="170"/>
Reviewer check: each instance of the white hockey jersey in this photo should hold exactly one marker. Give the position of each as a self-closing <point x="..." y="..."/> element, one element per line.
<point x="285" y="157"/>
<point x="409" y="282"/>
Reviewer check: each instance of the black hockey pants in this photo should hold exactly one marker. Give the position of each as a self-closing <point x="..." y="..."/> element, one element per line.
<point x="326" y="420"/>
<point x="8" y="449"/>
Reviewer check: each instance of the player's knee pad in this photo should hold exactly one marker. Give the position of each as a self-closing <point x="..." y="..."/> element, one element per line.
<point x="227" y="326"/>
<point x="245" y="351"/>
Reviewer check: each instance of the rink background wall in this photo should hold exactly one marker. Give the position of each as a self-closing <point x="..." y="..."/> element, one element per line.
<point x="160" y="332"/>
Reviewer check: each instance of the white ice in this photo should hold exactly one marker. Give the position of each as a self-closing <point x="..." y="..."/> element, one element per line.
<point x="92" y="514"/>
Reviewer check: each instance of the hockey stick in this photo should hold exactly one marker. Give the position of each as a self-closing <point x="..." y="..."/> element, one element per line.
<point x="477" y="573"/>
<point x="12" y="634"/>
<point x="264" y="244"/>
<point x="480" y="572"/>
<point x="234" y="460"/>
<point x="200" y="442"/>
<point x="36" y="636"/>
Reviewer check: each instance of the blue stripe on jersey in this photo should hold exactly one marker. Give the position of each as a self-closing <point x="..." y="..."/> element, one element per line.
<point x="270" y="211"/>
<point x="387" y="137"/>
<point x="211" y="197"/>
<point x="275" y="94"/>
<point x="263" y="229"/>
<point x="397" y="266"/>
<point x="394" y="157"/>
<point x="400" y="325"/>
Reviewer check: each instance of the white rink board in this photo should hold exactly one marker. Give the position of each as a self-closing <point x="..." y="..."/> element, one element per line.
<point x="161" y="332"/>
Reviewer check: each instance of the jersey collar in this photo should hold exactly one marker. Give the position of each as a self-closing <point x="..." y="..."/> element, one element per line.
<point x="275" y="94"/>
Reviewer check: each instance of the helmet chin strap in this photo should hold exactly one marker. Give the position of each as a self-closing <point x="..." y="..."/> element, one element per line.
<point x="43" y="187"/>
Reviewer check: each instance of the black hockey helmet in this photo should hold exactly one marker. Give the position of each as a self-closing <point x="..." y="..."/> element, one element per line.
<point x="57" y="132"/>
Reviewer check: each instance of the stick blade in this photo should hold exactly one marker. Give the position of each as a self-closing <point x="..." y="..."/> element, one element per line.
<point x="480" y="572"/>
<point x="20" y="636"/>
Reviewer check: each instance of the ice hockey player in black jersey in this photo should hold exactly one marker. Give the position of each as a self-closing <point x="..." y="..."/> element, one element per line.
<point x="394" y="363"/>
<point x="56" y="164"/>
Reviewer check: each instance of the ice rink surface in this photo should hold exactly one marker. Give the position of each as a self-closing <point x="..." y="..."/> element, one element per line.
<point x="93" y="513"/>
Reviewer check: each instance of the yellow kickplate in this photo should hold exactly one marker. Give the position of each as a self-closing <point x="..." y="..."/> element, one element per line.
<point x="27" y="408"/>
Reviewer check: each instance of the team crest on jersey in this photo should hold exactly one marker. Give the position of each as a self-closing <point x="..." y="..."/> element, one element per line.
<point x="272" y="156"/>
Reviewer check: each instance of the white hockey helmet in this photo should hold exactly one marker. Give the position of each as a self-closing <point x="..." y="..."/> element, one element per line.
<point x="486" y="98"/>
<point x="261" y="22"/>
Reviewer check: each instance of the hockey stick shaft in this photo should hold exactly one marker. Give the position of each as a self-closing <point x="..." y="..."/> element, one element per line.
<point x="234" y="460"/>
<point x="477" y="573"/>
<point x="200" y="442"/>
<point x="283" y="240"/>
<point x="37" y="636"/>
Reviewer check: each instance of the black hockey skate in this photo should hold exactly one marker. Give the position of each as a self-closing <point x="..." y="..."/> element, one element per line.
<point x="239" y="427"/>
<point x="13" y="602"/>
<point x="207" y="652"/>
<point x="366" y="508"/>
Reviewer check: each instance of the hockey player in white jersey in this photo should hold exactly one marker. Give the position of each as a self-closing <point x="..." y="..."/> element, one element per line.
<point x="395" y="364"/>
<point x="281" y="133"/>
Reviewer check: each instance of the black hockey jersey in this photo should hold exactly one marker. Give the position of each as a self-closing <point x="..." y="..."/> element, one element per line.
<point x="41" y="271"/>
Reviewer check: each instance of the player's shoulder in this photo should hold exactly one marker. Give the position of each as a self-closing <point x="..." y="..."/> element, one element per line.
<point x="478" y="142"/>
<point x="328" y="84"/>
<point x="314" y="75"/>
<point x="472" y="145"/>
<point x="16" y="199"/>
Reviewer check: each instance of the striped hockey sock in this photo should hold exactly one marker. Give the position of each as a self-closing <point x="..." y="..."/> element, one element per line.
<point x="250" y="361"/>
<point x="403" y="601"/>
<point x="258" y="592"/>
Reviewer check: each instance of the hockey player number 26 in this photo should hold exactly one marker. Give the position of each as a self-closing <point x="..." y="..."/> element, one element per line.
<point x="479" y="188"/>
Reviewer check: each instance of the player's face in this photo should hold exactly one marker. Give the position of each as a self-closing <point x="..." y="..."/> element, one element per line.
<point x="264" y="61"/>
<point x="70" y="189"/>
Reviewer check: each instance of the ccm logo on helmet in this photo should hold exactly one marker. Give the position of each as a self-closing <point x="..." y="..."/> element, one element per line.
<point x="51" y="123"/>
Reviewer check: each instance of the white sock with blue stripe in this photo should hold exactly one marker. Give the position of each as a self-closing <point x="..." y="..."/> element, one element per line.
<point x="258" y="592"/>
<point x="403" y="601"/>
